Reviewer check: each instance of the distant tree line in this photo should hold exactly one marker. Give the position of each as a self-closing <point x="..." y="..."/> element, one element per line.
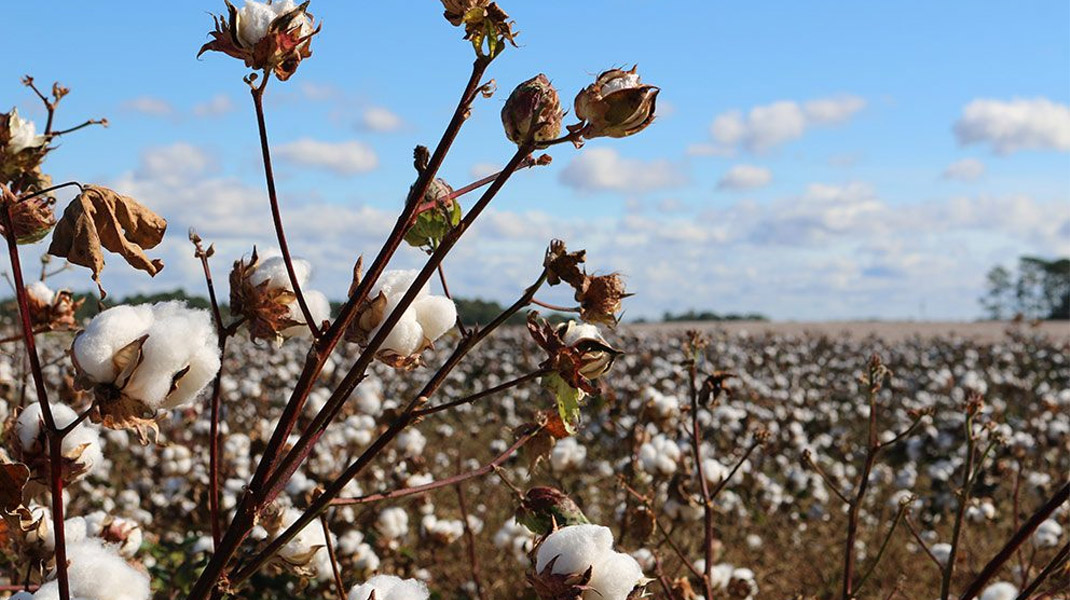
<point x="1037" y="289"/>
<point x="706" y="315"/>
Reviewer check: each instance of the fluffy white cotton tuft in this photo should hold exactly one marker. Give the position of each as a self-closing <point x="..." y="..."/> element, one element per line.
<point x="393" y="522"/>
<point x="1001" y="590"/>
<point x="179" y="339"/>
<point x="97" y="572"/>
<point x="426" y="319"/>
<point x="577" y="548"/>
<point x="436" y="315"/>
<point x="390" y="587"/>
<point x="23" y="134"/>
<point x="40" y="292"/>
<point x="255" y="17"/>
<point x="273" y="270"/>
<point x="616" y="576"/>
<point x="81" y="443"/>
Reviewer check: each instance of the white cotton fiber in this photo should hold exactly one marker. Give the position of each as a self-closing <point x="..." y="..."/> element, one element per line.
<point x="179" y="337"/>
<point x="577" y="546"/>
<point x="255" y="17"/>
<point x="393" y="522"/>
<point x="97" y="572"/>
<point x="39" y="291"/>
<point x="318" y="306"/>
<point x="84" y="438"/>
<point x="578" y="331"/>
<point x="436" y="315"/>
<point x="406" y="336"/>
<point x="273" y="271"/>
<point x="106" y="334"/>
<point x="614" y="577"/>
<point x="1001" y="590"/>
<point x="390" y="587"/>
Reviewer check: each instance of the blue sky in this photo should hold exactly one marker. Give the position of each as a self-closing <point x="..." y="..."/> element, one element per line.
<point x="811" y="160"/>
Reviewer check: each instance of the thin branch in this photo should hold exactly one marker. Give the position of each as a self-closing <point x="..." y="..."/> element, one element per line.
<point x="103" y="122"/>
<point x="334" y="559"/>
<point x="810" y="462"/>
<point x="470" y="542"/>
<point x="482" y="394"/>
<point x="549" y="306"/>
<point x="884" y="546"/>
<point x="1056" y="562"/>
<point x="49" y="190"/>
<point x="704" y="486"/>
<point x="921" y="542"/>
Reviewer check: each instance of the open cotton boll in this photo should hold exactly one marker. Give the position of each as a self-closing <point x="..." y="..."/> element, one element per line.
<point x="393" y="284"/>
<point x="81" y="446"/>
<point x="1001" y="590"/>
<point x="318" y="305"/>
<point x="303" y="548"/>
<point x="1047" y="534"/>
<point x="580" y="331"/>
<point x="436" y="315"/>
<point x="105" y="335"/>
<point x="178" y="338"/>
<point x="406" y="337"/>
<point x="23" y="133"/>
<point x="390" y="587"/>
<point x="97" y="572"/>
<point x="273" y="271"/>
<point x="614" y="578"/>
<point x="40" y="292"/>
<point x="577" y="548"/>
<point x="255" y="17"/>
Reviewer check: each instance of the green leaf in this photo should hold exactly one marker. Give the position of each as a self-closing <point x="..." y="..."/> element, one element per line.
<point x="568" y="400"/>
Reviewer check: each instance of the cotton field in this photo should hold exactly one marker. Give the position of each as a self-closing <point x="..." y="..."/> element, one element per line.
<point x="783" y="443"/>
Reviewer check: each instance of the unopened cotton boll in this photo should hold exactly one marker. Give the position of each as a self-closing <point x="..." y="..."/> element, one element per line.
<point x="390" y="587"/>
<point x="97" y="572"/>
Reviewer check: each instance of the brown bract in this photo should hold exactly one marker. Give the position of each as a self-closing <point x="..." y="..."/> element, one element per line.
<point x="615" y="105"/>
<point x="266" y="310"/>
<point x="599" y="295"/>
<point x="563" y="586"/>
<point x="112" y="407"/>
<point x="479" y="18"/>
<point x="13" y="477"/>
<point x="532" y="114"/>
<point x="578" y="363"/>
<point x="31" y="219"/>
<point x="281" y="49"/>
<point x="100" y="217"/>
<point x="369" y="315"/>
<point x="14" y="165"/>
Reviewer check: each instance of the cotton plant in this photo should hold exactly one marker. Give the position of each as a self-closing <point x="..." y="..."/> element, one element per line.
<point x="579" y="559"/>
<point x="427" y="319"/>
<point x="96" y="571"/>
<point x="139" y="360"/>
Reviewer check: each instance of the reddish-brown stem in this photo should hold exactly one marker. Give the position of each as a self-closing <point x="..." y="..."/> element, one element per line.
<point x="960" y="511"/>
<point x="82" y="126"/>
<point x="1055" y="563"/>
<point x="276" y="215"/>
<point x="704" y="486"/>
<point x="1019" y="538"/>
<point x="55" y="436"/>
<point x="921" y="542"/>
<point x="49" y="190"/>
<point x="549" y="306"/>
<point x="666" y="534"/>
<point x="470" y="542"/>
<point x="482" y="394"/>
<point x="339" y="586"/>
<point x="739" y="464"/>
<point x="213" y="435"/>
<point x="855" y="506"/>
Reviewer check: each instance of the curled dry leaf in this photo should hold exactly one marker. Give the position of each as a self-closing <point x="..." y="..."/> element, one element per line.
<point x="13" y="477"/>
<point x="100" y="217"/>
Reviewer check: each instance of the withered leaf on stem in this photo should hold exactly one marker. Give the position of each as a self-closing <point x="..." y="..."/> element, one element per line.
<point x="13" y="477"/>
<point x="100" y="217"/>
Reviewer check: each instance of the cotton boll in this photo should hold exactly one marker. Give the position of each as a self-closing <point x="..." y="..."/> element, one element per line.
<point x="80" y="448"/>
<point x="406" y="337"/>
<point x="40" y="292"/>
<point x="579" y="331"/>
<point x="1001" y="590"/>
<point x="105" y="335"/>
<point x="273" y="270"/>
<point x="1047" y="534"/>
<point x="97" y="572"/>
<point x="567" y="454"/>
<point x="393" y="522"/>
<point x="411" y="442"/>
<point x="577" y="546"/>
<point x="614" y="578"/>
<point x="942" y="552"/>
<point x="303" y="547"/>
<point x="436" y="315"/>
<point x="393" y="284"/>
<point x="179" y="337"/>
<point x="390" y="587"/>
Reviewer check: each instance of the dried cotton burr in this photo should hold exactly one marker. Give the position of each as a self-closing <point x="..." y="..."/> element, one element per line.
<point x="142" y="359"/>
<point x="423" y="322"/>
<point x="579" y="562"/>
<point x="80" y="450"/>
<point x="390" y="587"/>
<point x="273" y="36"/>
<point x="260" y="291"/>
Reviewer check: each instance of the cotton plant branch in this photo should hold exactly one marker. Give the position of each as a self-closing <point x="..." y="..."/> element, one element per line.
<point x="252" y="500"/>
<point x="54" y="434"/>
<point x="470" y="542"/>
<point x="1058" y="561"/>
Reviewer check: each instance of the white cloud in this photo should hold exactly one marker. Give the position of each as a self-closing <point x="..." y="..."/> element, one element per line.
<point x="967" y="169"/>
<point x="768" y="126"/>
<point x="147" y="105"/>
<point x="1019" y="124"/>
<point x="604" y="169"/>
<point x="344" y="158"/>
<point x="380" y="119"/>
<point x="217" y="105"/>
<point x="745" y="177"/>
<point x="175" y="163"/>
<point x="481" y="170"/>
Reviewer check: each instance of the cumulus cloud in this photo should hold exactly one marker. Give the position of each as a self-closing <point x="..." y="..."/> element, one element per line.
<point x="217" y="105"/>
<point x="175" y="163"/>
<point x="1015" y="125"/>
<point x="483" y="169"/>
<point x="967" y="169"/>
<point x="745" y="177"/>
<point x="768" y="126"/>
<point x="603" y="169"/>
<point x="148" y="105"/>
<point x="380" y="119"/>
<point x="344" y="158"/>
